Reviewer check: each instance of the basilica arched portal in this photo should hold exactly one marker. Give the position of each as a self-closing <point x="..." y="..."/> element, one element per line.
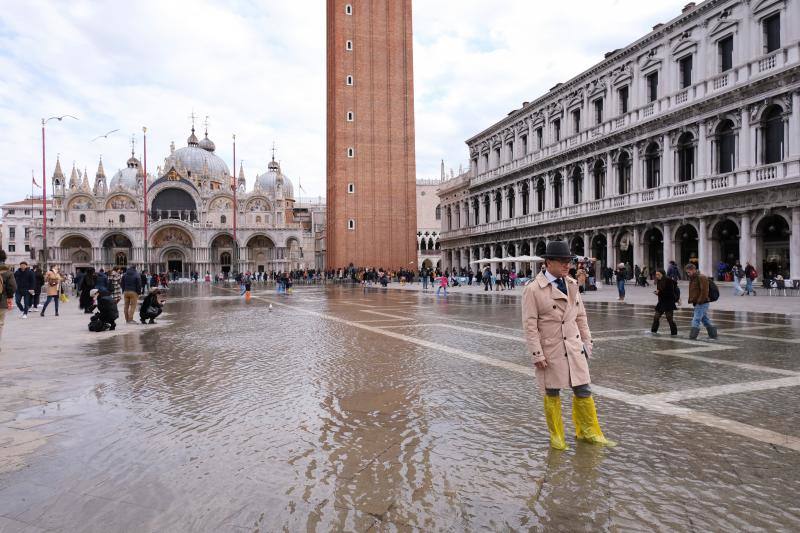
<point x="174" y="248"/>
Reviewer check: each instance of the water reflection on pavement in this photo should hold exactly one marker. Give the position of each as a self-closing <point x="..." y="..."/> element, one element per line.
<point x="325" y="414"/>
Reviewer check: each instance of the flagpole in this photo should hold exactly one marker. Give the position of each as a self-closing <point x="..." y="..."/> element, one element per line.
<point x="32" y="218"/>
<point x="235" y="186"/>
<point x="44" y="204"/>
<point x="144" y="164"/>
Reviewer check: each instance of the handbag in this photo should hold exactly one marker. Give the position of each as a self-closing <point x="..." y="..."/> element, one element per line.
<point x="63" y="298"/>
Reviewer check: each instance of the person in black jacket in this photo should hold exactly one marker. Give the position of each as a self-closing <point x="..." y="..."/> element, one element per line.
<point x="37" y="287"/>
<point x="151" y="307"/>
<point x="85" y="301"/>
<point x="665" y="290"/>
<point x="107" y="312"/>
<point x="25" y="287"/>
<point x="131" y="285"/>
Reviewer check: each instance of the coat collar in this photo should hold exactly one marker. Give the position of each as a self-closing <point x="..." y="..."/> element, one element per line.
<point x="556" y="293"/>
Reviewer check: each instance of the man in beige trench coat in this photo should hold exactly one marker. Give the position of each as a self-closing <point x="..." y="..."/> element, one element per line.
<point x="558" y="337"/>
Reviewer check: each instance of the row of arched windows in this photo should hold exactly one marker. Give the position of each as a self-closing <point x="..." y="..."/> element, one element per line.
<point x="724" y="160"/>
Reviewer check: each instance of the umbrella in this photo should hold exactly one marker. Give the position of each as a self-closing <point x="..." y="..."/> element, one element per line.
<point x="529" y="259"/>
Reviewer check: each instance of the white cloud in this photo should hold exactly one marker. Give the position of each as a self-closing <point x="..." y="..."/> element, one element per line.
<point x="258" y="69"/>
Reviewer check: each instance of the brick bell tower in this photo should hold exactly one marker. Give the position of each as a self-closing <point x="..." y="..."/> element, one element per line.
<point x="371" y="170"/>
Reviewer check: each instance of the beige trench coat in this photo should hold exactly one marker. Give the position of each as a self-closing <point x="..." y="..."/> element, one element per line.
<point x="556" y="330"/>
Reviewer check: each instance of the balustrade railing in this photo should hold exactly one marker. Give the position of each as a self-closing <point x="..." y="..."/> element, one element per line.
<point x="767" y="63"/>
<point x="720" y="82"/>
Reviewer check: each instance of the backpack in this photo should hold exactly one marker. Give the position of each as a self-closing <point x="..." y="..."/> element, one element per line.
<point x="713" y="291"/>
<point x="753" y="273"/>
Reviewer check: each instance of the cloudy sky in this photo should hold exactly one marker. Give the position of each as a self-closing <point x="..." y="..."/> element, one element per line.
<point x="257" y="69"/>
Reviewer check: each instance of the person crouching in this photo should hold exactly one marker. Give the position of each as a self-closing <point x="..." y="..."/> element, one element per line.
<point x="151" y="307"/>
<point x="107" y="314"/>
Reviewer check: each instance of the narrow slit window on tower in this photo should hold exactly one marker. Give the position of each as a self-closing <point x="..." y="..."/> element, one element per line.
<point x="349" y="116"/>
<point x="349" y="80"/>
<point x="348" y="45"/>
<point x="348" y="9"/>
<point x="351" y="152"/>
<point x="351" y="188"/>
<point x="351" y="224"/>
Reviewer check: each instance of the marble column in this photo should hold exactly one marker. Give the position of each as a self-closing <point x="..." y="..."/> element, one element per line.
<point x="531" y="196"/>
<point x="745" y="145"/>
<point x="587" y="246"/>
<point x="793" y="140"/>
<point x="505" y="201"/>
<point x="703" y="258"/>
<point x="636" y="170"/>
<point x="666" y="230"/>
<point x="702" y="152"/>
<point x="588" y="183"/>
<point x="667" y="161"/>
<point x="794" y="244"/>
<point x="744" y="240"/>
<point x="517" y="199"/>
<point x="611" y="259"/>
<point x="637" y="247"/>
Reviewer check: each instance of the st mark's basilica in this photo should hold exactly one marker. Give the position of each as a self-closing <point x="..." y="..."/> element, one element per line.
<point x="190" y="210"/>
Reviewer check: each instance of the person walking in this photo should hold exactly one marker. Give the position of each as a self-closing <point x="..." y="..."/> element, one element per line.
<point x="25" y="280"/>
<point x="621" y="274"/>
<point x="8" y="282"/>
<point x="737" y="272"/>
<point x="581" y="276"/>
<point x="52" y="283"/>
<point x="114" y="279"/>
<point x="558" y="338"/>
<point x="131" y="286"/>
<point x="38" y="277"/>
<point x="665" y="290"/>
<point x="699" y="297"/>
<point x="487" y="278"/>
<point x="442" y="285"/>
<point x="750" y="274"/>
<point x="424" y="276"/>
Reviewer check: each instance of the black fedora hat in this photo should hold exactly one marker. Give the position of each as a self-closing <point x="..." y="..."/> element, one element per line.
<point x="557" y="250"/>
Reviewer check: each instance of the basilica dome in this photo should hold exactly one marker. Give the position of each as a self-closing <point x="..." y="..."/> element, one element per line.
<point x="198" y="158"/>
<point x="269" y="180"/>
<point x="128" y="176"/>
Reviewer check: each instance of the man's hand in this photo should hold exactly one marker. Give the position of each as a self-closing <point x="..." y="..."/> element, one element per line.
<point x="541" y="365"/>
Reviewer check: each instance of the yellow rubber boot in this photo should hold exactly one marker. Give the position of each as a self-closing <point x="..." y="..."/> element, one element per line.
<point x="588" y="428"/>
<point x="578" y="432"/>
<point x="552" y="411"/>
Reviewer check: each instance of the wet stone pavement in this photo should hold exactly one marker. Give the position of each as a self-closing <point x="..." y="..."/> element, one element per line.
<point x="351" y="410"/>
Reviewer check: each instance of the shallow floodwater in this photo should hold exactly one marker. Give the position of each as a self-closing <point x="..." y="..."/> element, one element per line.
<point x="336" y="411"/>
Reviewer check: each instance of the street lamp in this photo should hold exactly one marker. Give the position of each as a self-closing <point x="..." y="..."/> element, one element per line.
<point x="45" y="251"/>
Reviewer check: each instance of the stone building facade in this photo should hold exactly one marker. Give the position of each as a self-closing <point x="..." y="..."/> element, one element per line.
<point x="684" y="145"/>
<point x="17" y="230"/>
<point x="370" y="135"/>
<point x="190" y="208"/>
<point x="429" y="223"/>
